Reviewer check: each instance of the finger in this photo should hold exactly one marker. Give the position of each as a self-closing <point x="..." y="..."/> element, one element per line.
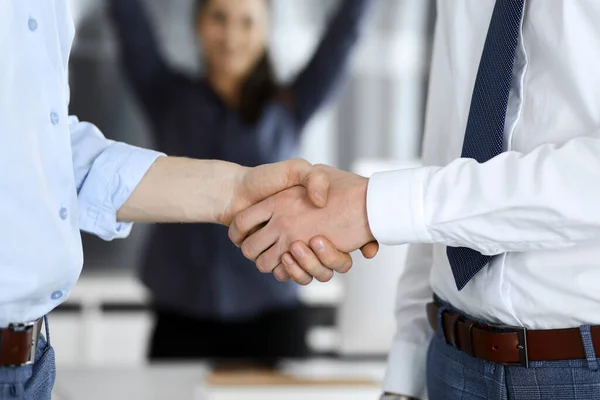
<point x="245" y="222"/>
<point x="295" y="271"/>
<point x="310" y="263"/>
<point x="329" y="255"/>
<point x="257" y="244"/>
<point x="256" y="229"/>
<point x="281" y="274"/>
<point x="268" y="260"/>
<point x="370" y="250"/>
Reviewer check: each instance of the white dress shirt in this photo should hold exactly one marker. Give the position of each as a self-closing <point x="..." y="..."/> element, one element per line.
<point x="536" y="207"/>
<point x="58" y="175"/>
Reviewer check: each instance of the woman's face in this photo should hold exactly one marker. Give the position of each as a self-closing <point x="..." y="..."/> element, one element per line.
<point x="233" y="34"/>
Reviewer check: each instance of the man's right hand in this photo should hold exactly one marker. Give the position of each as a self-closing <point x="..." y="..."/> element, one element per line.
<point x="290" y="217"/>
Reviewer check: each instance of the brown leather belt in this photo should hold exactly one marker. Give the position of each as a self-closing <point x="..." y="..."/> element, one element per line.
<point x="18" y="343"/>
<point x="510" y="345"/>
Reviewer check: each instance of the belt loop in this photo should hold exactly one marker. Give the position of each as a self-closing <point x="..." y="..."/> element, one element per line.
<point x="471" y="351"/>
<point x="47" y="327"/>
<point x="588" y="346"/>
<point x="440" y="322"/>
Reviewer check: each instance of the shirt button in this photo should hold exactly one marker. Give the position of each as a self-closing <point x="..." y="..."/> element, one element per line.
<point x="33" y="25"/>
<point x="54" y="118"/>
<point x="56" y="295"/>
<point x="63" y="213"/>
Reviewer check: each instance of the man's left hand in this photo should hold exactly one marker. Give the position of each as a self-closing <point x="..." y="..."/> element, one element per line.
<point x="249" y="186"/>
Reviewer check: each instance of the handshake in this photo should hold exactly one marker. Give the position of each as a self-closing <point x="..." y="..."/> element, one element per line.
<point x="299" y="221"/>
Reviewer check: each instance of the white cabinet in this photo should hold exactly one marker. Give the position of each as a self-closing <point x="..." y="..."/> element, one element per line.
<point x="90" y="335"/>
<point x="107" y="324"/>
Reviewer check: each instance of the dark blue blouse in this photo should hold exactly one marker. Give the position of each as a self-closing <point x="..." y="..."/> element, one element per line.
<point x="195" y="269"/>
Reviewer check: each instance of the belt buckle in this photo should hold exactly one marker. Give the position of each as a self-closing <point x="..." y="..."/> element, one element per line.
<point x="521" y="346"/>
<point x="25" y="327"/>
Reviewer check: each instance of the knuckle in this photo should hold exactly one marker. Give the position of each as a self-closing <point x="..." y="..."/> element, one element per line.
<point x="329" y="260"/>
<point x="345" y="267"/>
<point x="271" y="203"/>
<point x="320" y="171"/>
<point x="299" y="162"/>
<point x="293" y="167"/>
<point x="232" y="235"/>
<point x="313" y="268"/>
<point x="319" y="175"/>
<point x="281" y="274"/>
<point x="239" y="220"/>
<point x="329" y="257"/>
<point x="304" y="281"/>
<point x="300" y="277"/>
<point x="265" y="263"/>
<point x="248" y="250"/>
<point x="261" y="266"/>
<point x="326" y="276"/>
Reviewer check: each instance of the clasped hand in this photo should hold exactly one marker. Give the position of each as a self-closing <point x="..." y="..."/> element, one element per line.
<point x="291" y="237"/>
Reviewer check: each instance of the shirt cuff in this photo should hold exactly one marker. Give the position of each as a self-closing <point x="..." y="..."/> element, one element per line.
<point x="406" y="370"/>
<point x="113" y="177"/>
<point x="395" y="206"/>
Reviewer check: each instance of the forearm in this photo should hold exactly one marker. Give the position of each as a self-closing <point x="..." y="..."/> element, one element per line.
<point x="106" y="173"/>
<point x="546" y="199"/>
<point x="183" y="190"/>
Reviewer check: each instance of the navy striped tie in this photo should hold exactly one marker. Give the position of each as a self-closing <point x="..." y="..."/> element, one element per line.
<point x="484" y="136"/>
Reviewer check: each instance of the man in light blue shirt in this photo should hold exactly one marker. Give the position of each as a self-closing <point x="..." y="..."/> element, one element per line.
<point x="59" y="176"/>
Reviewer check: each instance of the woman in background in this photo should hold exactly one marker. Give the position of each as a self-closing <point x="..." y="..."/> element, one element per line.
<point x="209" y="301"/>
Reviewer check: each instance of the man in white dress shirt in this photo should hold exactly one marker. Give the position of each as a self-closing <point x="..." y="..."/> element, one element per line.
<point x="507" y="237"/>
<point x="59" y="176"/>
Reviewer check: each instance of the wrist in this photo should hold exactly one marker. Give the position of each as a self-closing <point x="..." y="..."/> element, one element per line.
<point x="229" y="193"/>
<point x="362" y="200"/>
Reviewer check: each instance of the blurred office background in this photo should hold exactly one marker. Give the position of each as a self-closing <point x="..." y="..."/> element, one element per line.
<point x="376" y="123"/>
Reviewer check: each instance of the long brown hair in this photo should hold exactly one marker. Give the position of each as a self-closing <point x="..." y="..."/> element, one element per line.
<point x="259" y="87"/>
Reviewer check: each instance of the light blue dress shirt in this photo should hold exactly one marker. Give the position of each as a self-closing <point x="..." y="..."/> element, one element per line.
<point x="57" y="175"/>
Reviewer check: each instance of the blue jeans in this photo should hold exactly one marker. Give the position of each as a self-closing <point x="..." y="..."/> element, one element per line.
<point x="33" y="382"/>
<point x="452" y="374"/>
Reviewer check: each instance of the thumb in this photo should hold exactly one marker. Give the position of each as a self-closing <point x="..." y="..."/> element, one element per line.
<point x="314" y="179"/>
<point x="317" y="186"/>
<point x="370" y="250"/>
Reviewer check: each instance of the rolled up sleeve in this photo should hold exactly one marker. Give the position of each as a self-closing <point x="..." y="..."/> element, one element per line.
<point x="106" y="173"/>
